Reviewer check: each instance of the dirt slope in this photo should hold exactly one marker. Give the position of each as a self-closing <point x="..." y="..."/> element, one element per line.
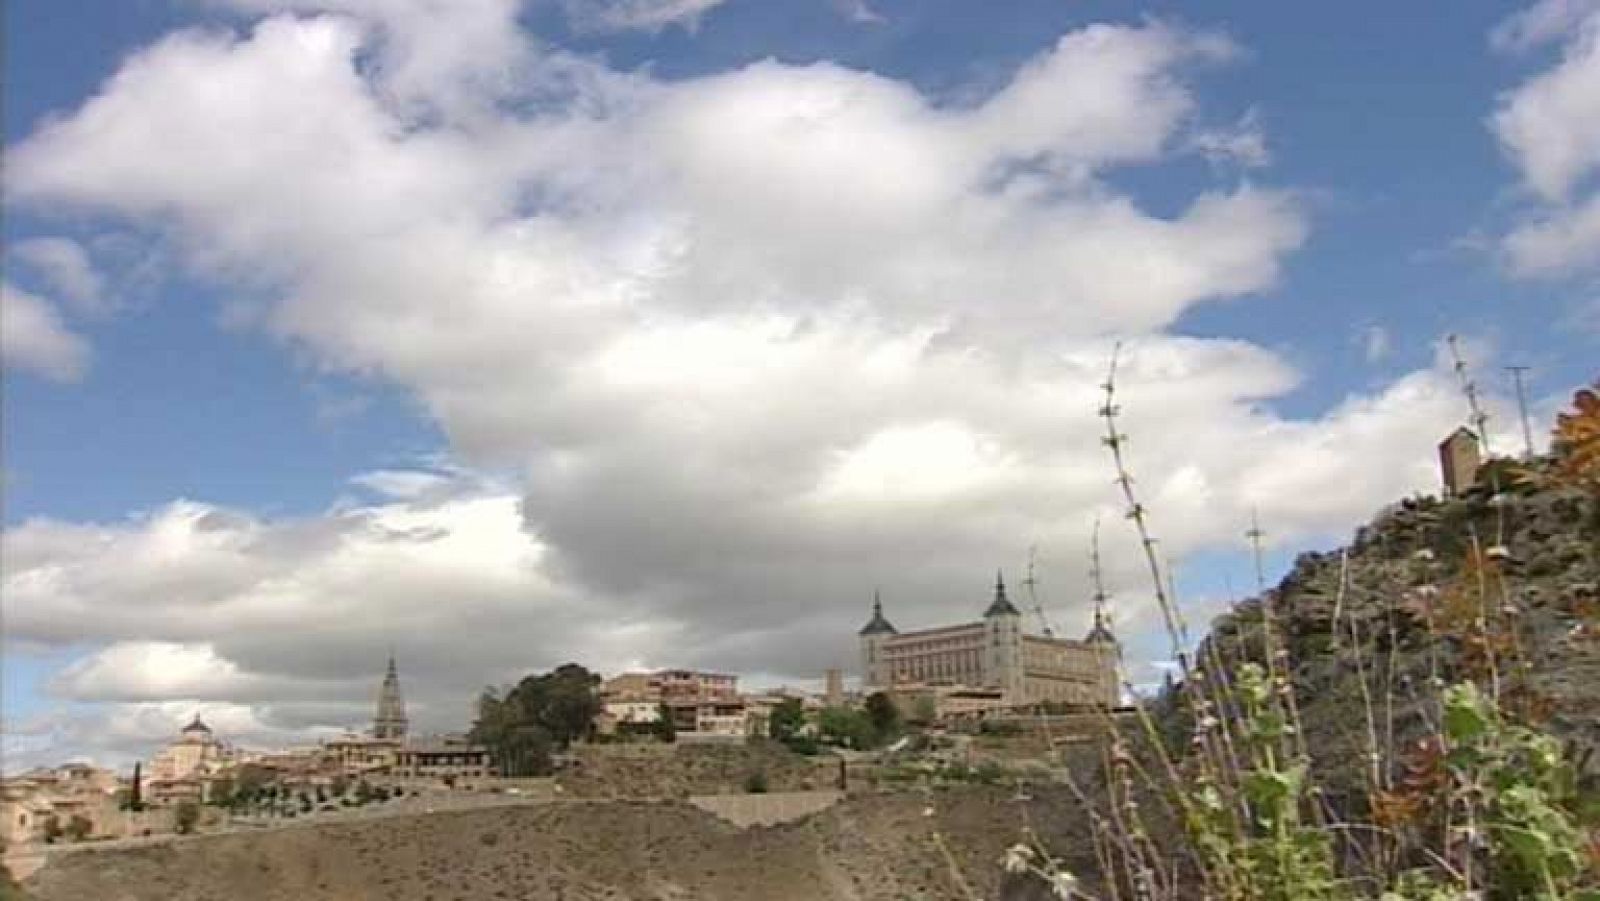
<point x="867" y="848"/>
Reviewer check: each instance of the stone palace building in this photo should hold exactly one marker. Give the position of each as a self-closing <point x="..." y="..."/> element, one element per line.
<point x="994" y="653"/>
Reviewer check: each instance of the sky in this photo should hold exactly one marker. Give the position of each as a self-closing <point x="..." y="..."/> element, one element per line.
<point x="649" y="333"/>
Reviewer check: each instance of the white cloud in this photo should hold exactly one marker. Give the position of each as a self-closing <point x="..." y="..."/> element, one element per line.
<point x="755" y="342"/>
<point x="34" y="339"/>
<point x="859" y="12"/>
<point x="1550" y="127"/>
<point x="1376" y="343"/>
<point x="1542" y="23"/>
<point x="1558" y="241"/>
<point x="1243" y="144"/>
<point x="65" y="267"/>
<point x="153" y="670"/>
<point x="116" y="735"/>
<point x="636" y="15"/>
<point x="435" y="57"/>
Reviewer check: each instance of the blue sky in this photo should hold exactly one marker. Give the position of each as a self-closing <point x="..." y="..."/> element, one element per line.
<point x="641" y="408"/>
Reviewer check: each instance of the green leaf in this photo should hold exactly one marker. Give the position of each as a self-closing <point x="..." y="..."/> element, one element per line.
<point x="1465" y="715"/>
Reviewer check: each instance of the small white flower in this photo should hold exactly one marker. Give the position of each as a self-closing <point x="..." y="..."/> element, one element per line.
<point x="927" y="811"/>
<point x="1063" y="884"/>
<point x="1018" y="858"/>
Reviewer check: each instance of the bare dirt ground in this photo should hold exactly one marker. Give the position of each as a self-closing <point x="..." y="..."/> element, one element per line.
<point x="867" y="848"/>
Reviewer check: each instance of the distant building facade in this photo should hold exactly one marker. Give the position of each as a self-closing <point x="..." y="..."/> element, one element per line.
<point x="993" y="653"/>
<point x="1460" y="458"/>
<point x="183" y="770"/>
<point x="34" y="803"/>
<point x="701" y="704"/>
<point x="451" y="759"/>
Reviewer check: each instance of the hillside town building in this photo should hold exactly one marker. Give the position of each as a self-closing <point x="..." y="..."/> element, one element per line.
<point x="40" y="801"/>
<point x="993" y="653"/>
<point x="702" y="705"/>
<point x="182" y="770"/>
<point x="449" y="759"/>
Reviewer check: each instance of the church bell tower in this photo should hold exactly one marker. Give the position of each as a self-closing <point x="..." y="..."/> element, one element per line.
<point x="390" y="723"/>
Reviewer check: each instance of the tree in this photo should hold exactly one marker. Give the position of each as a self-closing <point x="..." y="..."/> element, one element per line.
<point x="786" y="721"/>
<point x="884" y="716"/>
<point x="570" y="701"/>
<point x="850" y="728"/>
<point x="79" y="827"/>
<point x="522" y="726"/>
<point x="249" y="786"/>
<point x="185" y="817"/>
<point x="135" y="798"/>
<point x="221" y="794"/>
<point x="666" y="728"/>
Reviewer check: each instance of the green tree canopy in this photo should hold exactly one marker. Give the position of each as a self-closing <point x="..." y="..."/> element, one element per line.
<point x="787" y="719"/>
<point x="850" y="728"/>
<point x="521" y="726"/>
<point x="884" y="716"/>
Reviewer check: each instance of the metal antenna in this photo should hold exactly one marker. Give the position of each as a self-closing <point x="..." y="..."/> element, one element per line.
<point x="1255" y="535"/>
<point x="1030" y="583"/>
<point x="1480" y="420"/>
<point x="1522" y="407"/>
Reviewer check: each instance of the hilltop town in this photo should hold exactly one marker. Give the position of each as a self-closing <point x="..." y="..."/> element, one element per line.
<point x="987" y="671"/>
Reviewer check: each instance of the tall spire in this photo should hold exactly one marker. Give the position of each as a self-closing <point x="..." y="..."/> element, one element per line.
<point x="1001" y="605"/>
<point x="878" y="625"/>
<point x="391" y="719"/>
<point x="1101" y="632"/>
<point x="1102" y="623"/>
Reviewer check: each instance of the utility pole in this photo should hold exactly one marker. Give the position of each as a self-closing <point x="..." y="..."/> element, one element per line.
<point x="1522" y="408"/>
<point x="1480" y="420"/>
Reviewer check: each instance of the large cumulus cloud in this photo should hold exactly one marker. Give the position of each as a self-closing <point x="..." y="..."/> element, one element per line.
<point x="1549" y="127"/>
<point x="754" y="343"/>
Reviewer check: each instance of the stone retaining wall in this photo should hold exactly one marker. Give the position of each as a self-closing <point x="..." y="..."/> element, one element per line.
<point x="745" y="811"/>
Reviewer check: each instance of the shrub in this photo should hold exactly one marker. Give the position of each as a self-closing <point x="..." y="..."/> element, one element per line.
<point x="79" y="827"/>
<point x="185" y="817"/>
<point x="755" y="782"/>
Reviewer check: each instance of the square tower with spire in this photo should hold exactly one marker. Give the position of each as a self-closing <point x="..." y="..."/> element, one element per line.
<point x="390" y="722"/>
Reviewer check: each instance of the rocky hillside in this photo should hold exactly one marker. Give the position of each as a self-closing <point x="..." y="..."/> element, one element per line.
<point x="1422" y="594"/>
<point x="681" y="770"/>
<point x="867" y="848"/>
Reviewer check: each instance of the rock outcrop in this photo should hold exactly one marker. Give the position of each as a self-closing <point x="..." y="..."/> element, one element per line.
<point x="1399" y="607"/>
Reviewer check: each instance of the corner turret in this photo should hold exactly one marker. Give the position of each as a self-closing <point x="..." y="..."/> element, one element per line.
<point x="875" y="634"/>
<point x="1001" y="605"/>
